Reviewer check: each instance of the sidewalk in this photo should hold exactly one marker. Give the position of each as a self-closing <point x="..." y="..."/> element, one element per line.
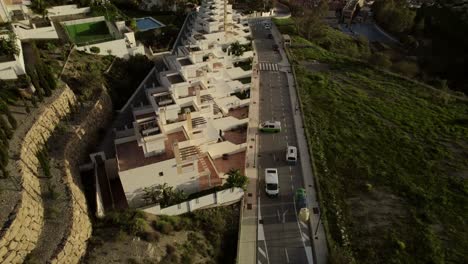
<point x="318" y="238"/>
<point x="247" y="246"/>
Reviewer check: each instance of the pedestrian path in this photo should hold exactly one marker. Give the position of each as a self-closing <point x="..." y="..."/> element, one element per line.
<point x="268" y="66"/>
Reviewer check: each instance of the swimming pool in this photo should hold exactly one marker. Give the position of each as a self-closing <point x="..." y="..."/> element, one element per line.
<point x="148" y="23"/>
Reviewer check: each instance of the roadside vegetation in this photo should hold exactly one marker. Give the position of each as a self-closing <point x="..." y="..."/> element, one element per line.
<point x="87" y="73"/>
<point x="390" y="155"/>
<point x="204" y="236"/>
<point x="431" y="33"/>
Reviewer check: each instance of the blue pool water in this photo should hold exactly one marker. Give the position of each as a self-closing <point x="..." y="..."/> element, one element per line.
<point x="147" y="23"/>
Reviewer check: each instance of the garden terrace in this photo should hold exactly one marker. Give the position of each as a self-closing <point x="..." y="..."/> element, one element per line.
<point x="148" y="127"/>
<point x="130" y="155"/>
<point x="236" y="136"/>
<point x="230" y="161"/>
<point x="239" y="113"/>
<point x="185" y="61"/>
<point x="163" y="99"/>
<point x="175" y="78"/>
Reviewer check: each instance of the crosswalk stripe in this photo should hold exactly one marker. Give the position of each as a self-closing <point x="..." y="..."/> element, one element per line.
<point x="305" y="236"/>
<point x="262" y="252"/>
<point x="268" y="67"/>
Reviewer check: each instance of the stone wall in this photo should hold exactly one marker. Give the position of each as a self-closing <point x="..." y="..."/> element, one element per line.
<point x="20" y="233"/>
<point x="73" y="245"/>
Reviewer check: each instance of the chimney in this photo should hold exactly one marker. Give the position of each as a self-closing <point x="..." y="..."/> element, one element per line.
<point x="175" y="147"/>
<point x="188" y="116"/>
<point x="197" y="93"/>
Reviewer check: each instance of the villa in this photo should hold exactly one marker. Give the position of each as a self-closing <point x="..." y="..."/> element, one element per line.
<point x="191" y="126"/>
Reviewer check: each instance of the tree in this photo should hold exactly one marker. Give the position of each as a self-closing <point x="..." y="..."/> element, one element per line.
<point x="5" y="110"/>
<point x="6" y="129"/>
<point x="8" y="45"/>
<point x="407" y="68"/>
<point x="163" y="194"/>
<point x="95" y="50"/>
<point x="236" y="179"/>
<point x="40" y="7"/>
<point x="380" y="60"/>
<point x="34" y="101"/>
<point x="237" y="49"/>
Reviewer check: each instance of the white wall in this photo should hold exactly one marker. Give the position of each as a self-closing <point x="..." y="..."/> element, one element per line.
<point x="35" y="33"/>
<point x="134" y="180"/>
<point x="66" y="10"/>
<point x="220" y="198"/>
<point x="118" y="48"/>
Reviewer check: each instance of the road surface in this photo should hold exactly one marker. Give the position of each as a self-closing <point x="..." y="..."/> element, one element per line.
<point x="282" y="238"/>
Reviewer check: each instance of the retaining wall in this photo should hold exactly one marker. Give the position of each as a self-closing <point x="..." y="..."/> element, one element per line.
<point x="20" y="233"/>
<point x="73" y="244"/>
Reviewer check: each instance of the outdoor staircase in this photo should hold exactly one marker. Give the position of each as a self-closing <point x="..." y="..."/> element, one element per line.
<point x="216" y="109"/>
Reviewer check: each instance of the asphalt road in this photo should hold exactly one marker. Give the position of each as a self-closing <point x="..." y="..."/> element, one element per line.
<point x="281" y="237"/>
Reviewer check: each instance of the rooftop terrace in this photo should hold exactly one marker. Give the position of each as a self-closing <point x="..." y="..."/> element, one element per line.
<point x="131" y="156"/>
<point x="175" y="78"/>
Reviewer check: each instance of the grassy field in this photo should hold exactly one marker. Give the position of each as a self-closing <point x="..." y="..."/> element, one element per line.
<point x="92" y="32"/>
<point x="391" y="157"/>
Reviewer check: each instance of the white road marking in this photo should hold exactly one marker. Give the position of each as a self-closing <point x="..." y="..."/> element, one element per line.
<point x="303" y="224"/>
<point x="279" y="217"/>
<point x="266" y="249"/>
<point x="262" y="252"/>
<point x="284" y="216"/>
<point x="306" y="237"/>
<point x="287" y="257"/>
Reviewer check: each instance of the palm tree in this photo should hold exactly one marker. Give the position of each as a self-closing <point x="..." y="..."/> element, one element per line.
<point x="236" y="179"/>
<point x="152" y="194"/>
<point x="237" y="49"/>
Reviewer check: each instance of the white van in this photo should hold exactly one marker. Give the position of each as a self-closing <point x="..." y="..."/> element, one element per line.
<point x="291" y="155"/>
<point x="271" y="182"/>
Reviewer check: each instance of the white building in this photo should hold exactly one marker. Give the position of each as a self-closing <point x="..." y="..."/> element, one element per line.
<point x="193" y="126"/>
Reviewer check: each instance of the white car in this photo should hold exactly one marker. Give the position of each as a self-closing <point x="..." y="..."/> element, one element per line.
<point x="271" y="182"/>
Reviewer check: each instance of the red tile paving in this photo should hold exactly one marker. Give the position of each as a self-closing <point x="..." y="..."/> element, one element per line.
<point x="214" y="179"/>
<point x="234" y="161"/>
<point x="237" y="136"/>
<point x="239" y="113"/>
<point x="130" y="155"/>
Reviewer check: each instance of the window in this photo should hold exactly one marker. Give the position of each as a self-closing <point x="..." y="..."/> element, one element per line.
<point x="161" y="173"/>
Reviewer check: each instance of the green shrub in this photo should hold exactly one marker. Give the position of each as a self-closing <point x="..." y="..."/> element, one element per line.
<point x="150" y="236"/>
<point x="380" y="60"/>
<point x="407" y="68"/>
<point x="95" y="50"/>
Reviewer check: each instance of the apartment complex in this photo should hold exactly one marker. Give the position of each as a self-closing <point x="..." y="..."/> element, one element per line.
<point x="191" y="126"/>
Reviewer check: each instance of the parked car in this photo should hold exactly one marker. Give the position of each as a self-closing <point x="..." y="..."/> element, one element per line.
<point x="267" y="26"/>
<point x="270" y="126"/>
<point x="270" y="36"/>
<point x="275" y="47"/>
